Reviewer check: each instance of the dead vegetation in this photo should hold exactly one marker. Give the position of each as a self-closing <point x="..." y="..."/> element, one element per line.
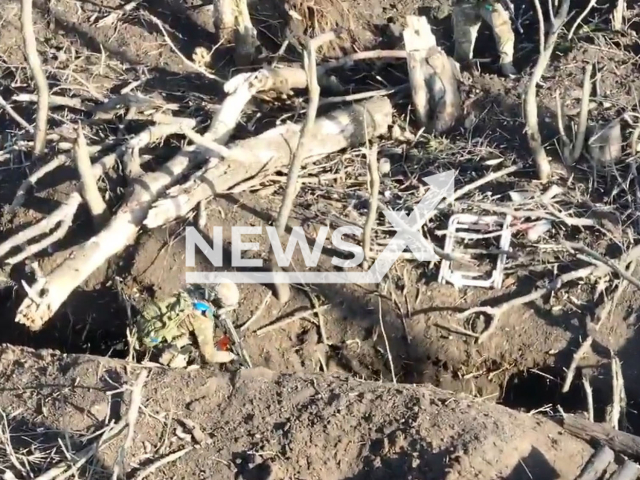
<point x="576" y="221"/>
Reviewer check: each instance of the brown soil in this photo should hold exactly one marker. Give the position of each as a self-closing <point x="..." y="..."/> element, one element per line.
<point x="265" y="425"/>
<point x="304" y="419"/>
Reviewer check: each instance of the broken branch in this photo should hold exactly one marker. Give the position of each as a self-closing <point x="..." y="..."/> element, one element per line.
<point x="434" y="85"/>
<point x="88" y="185"/>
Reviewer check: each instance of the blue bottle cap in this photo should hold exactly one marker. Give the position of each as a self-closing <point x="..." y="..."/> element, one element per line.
<point x="201" y="307"/>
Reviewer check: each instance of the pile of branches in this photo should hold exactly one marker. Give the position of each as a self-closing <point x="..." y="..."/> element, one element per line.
<point x="205" y="167"/>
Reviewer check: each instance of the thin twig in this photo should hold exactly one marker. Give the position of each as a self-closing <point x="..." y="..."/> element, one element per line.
<point x="182" y="57"/>
<point x="115" y="15"/>
<point x="602" y="260"/>
<point x="564" y="140"/>
<point x="369" y="55"/>
<point x="586" y="345"/>
<point x="132" y="417"/>
<point x="457" y="329"/>
<point x="63" y="469"/>
<point x="354" y="97"/>
<point x="472" y="186"/>
<point x="15" y="115"/>
<point x="589" y="394"/>
<point x="33" y="59"/>
<point x="291" y="318"/>
<point x="584" y="115"/>
<point x="579" y="20"/>
<point x="202" y="141"/>
<point x="163" y="461"/>
<point x="616" y="392"/>
<point x="386" y="341"/>
<point x="374" y="190"/>
<point x="282" y="290"/>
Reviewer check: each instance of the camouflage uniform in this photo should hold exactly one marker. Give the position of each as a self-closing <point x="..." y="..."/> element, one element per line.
<point x="168" y="325"/>
<point x="467" y="16"/>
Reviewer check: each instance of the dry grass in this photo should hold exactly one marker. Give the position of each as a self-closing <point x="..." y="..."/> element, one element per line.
<point x="596" y="207"/>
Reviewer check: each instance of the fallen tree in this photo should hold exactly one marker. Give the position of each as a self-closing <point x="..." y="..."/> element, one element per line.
<point x="271" y="151"/>
<point x="246" y="159"/>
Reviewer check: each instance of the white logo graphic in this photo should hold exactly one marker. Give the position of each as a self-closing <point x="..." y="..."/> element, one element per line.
<point x="408" y="236"/>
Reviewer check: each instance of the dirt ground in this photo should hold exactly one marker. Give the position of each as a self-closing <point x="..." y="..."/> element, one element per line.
<point x="523" y="363"/>
<point x="258" y="424"/>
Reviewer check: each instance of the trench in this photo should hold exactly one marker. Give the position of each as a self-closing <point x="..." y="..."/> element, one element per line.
<point x="95" y="323"/>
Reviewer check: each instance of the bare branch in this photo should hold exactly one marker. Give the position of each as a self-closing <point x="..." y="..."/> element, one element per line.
<point x="580" y="18"/>
<point x="15" y="115"/>
<point x="33" y="178"/>
<point x="31" y="52"/>
<point x="374" y="179"/>
<point x="88" y="185"/>
<point x="282" y="290"/>
<point x="530" y="101"/>
<point x="584" y="115"/>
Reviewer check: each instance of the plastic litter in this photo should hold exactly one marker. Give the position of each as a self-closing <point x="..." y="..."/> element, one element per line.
<point x="473" y="227"/>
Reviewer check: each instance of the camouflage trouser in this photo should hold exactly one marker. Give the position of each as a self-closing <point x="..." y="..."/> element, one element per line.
<point x="467" y="15"/>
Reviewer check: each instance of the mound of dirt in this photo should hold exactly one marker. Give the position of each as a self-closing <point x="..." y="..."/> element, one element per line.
<point x="258" y="424"/>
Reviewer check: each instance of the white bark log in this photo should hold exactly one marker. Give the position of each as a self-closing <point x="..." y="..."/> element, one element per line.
<point x="271" y="151"/>
<point x="337" y="131"/>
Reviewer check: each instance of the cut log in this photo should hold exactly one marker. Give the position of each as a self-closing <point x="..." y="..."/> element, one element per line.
<point x="233" y="25"/>
<point x="620" y="442"/>
<point x="433" y="78"/>
<point x="272" y="151"/>
<point x="628" y="471"/>
<point x="597" y="464"/>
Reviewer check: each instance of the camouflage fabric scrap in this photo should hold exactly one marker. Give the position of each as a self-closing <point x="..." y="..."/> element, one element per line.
<point x="172" y="321"/>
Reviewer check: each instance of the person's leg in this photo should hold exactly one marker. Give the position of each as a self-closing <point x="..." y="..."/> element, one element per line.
<point x="466" y="23"/>
<point x="496" y="16"/>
